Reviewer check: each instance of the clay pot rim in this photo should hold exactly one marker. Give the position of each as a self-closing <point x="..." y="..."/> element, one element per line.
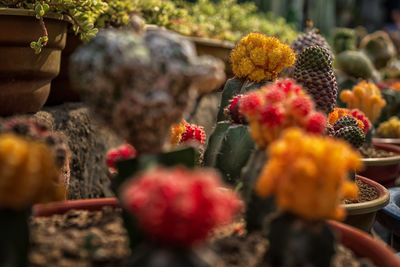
<point x="369" y="206"/>
<point x="30" y="13"/>
<point x="383" y="161"/>
<point x="381" y="140"/>
<point x="393" y="208"/>
<point x="364" y="245"/>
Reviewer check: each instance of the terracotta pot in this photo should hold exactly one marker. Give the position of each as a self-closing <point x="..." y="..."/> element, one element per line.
<point x="383" y="170"/>
<point x="362" y="215"/>
<point x="365" y="246"/>
<point x="360" y="243"/>
<point x="61" y="89"/>
<point x="25" y="76"/>
<point x="391" y="141"/>
<point x="389" y="217"/>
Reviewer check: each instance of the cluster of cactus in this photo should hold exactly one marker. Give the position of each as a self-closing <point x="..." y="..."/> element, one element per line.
<point x="273" y="108"/>
<point x="366" y="97"/>
<point x="344" y="39"/>
<point x="298" y="175"/>
<point x="256" y="60"/>
<point x="139" y="86"/>
<point x="314" y="71"/>
<point x="390" y="128"/>
<point x="311" y="38"/>
<point x="29" y="128"/>
<point x="349" y="125"/>
<point x="379" y="48"/>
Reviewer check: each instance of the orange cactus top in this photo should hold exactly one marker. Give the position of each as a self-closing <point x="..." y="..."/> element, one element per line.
<point x="308" y="175"/>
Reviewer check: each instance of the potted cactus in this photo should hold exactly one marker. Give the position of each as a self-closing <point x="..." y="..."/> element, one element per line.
<point x="388" y="132"/>
<point x="381" y="167"/>
<point x="29" y="175"/>
<point x="230" y="144"/>
<point x="36" y="31"/>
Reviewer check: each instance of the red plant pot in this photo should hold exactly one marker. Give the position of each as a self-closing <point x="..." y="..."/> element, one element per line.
<point x="383" y="170"/>
<point x="360" y="243"/>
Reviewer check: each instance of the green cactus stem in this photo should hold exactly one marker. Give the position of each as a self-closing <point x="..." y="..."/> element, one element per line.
<point x="355" y="64"/>
<point x="232" y="87"/>
<point x="293" y="242"/>
<point x="392" y="108"/>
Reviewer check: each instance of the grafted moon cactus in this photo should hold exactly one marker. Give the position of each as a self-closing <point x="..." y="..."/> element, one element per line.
<point x="140" y="86"/>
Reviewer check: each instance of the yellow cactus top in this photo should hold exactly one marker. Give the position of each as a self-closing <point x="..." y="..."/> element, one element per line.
<point x="390" y="128"/>
<point x="258" y="57"/>
<point x="176" y="132"/>
<point x="366" y="97"/>
<point x="28" y="173"/>
<point x="308" y="175"/>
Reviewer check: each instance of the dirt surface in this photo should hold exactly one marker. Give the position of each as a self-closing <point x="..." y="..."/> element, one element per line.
<point x="367" y="193"/>
<point x="83" y="239"/>
<point x="88" y="143"/>
<point x="371" y="152"/>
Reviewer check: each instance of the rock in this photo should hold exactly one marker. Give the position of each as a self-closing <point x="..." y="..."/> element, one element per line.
<point x="88" y="143"/>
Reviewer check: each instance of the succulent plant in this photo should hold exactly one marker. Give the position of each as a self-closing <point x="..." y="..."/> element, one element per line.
<point x="379" y="48"/>
<point x="366" y="97"/>
<point x="355" y="64"/>
<point x="392" y="108"/>
<point x="314" y="71"/>
<point x="123" y="152"/>
<point x="195" y="204"/>
<point x="349" y="125"/>
<point x="138" y="86"/>
<point x="186" y="133"/>
<point x="298" y="175"/>
<point x="310" y="38"/>
<point x="30" y="129"/>
<point x="344" y="39"/>
<point x="390" y="128"/>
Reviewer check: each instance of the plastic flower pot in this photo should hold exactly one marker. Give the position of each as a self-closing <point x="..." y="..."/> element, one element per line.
<point x="26" y="76"/>
<point x="389" y="217"/>
<point x="383" y="170"/>
<point x="359" y="242"/>
<point x="362" y="215"/>
<point x="390" y="141"/>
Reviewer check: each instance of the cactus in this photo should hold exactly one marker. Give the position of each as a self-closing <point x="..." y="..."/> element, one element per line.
<point x="139" y="86"/>
<point x="390" y="128"/>
<point x="193" y="207"/>
<point x="297" y="176"/>
<point x="256" y="60"/>
<point x="379" y="48"/>
<point x="33" y="130"/>
<point x="344" y="39"/>
<point x="314" y="71"/>
<point x="123" y="152"/>
<point x="366" y="97"/>
<point x="28" y="175"/>
<point x="392" y="108"/>
<point x="355" y="64"/>
<point x="352" y="134"/>
<point x="311" y="38"/>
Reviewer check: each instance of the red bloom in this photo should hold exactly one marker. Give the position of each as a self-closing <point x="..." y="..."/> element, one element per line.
<point x="193" y="133"/>
<point x="179" y="207"/>
<point x="249" y="103"/>
<point x="288" y="85"/>
<point x="316" y="123"/>
<point x="361" y="116"/>
<point x="123" y="152"/>
<point x="233" y="110"/>
<point x="275" y="95"/>
<point x="301" y="106"/>
<point x="272" y="116"/>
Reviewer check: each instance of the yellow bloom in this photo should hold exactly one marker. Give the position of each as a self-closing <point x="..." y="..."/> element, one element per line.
<point x="28" y="173"/>
<point x="308" y="175"/>
<point x="366" y="97"/>
<point x="390" y="128"/>
<point x="260" y="58"/>
<point x="176" y="132"/>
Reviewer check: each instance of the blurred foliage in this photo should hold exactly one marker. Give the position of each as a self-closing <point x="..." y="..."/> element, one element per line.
<point x="225" y="19"/>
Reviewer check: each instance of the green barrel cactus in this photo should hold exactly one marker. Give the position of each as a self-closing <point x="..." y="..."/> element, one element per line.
<point x="355" y="64"/>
